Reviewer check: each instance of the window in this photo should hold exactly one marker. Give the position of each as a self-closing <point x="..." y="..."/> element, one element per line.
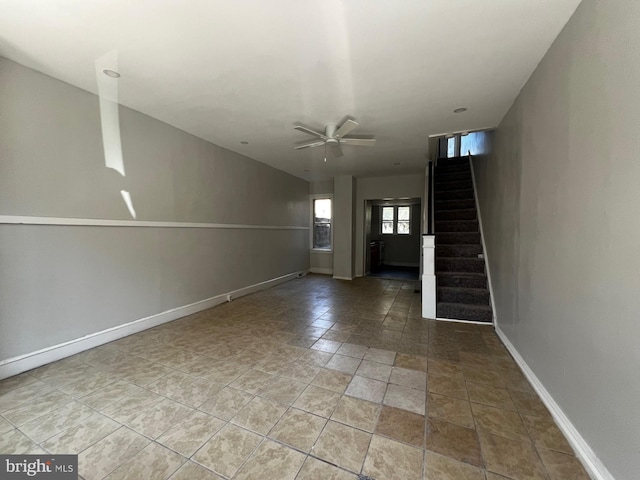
<point x="396" y="220"/>
<point x="404" y="220"/>
<point x="388" y="218"/>
<point x="451" y="147"/>
<point x="321" y="224"/>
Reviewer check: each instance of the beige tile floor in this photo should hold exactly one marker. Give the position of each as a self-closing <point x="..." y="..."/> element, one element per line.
<point x="313" y="379"/>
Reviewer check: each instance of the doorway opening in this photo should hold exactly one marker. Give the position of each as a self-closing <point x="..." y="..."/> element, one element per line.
<point x="392" y="238"/>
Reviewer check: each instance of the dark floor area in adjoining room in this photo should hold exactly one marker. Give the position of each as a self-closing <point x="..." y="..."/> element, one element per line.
<point x="396" y="273"/>
<point x="312" y="379"/>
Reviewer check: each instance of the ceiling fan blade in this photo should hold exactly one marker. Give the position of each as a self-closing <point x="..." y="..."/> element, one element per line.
<point x="345" y="128"/>
<point x="315" y="143"/>
<point x="336" y="150"/>
<point x="309" y="131"/>
<point x="360" y="142"/>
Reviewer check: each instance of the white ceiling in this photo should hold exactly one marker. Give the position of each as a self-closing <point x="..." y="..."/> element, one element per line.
<point x="248" y="70"/>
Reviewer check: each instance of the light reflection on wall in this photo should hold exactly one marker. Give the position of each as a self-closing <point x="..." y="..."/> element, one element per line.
<point x="110" y="120"/>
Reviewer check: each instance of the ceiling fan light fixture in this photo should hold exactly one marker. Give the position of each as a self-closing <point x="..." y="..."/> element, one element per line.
<point x="334" y="136"/>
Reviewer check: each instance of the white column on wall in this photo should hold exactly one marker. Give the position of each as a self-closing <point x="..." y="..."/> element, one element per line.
<point x="428" y="276"/>
<point x="343" y="214"/>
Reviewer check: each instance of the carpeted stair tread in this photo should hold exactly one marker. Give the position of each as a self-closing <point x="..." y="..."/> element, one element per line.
<point x="458" y="238"/>
<point x="454" y="185"/>
<point x="461" y="279"/>
<point x="464" y="160"/>
<point x="452" y="226"/>
<point x="466" y="295"/>
<point x="460" y="264"/>
<point x="446" y="205"/>
<point x="461" y="311"/>
<point x="453" y="177"/>
<point x="461" y="194"/>
<point x="468" y="251"/>
<point x="444" y="169"/>
<point x="456" y="214"/>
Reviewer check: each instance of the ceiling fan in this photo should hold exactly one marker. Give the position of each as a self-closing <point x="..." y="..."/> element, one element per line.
<point x="334" y="136"/>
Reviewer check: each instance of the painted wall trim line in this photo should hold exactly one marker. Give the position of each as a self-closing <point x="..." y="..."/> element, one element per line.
<point x="322" y="270"/>
<point x="22" y="363"/>
<point x="584" y="452"/>
<point x="484" y="246"/>
<point x="463" y="321"/>
<point x="98" y="222"/>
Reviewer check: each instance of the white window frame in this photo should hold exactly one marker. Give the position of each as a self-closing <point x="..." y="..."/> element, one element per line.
<point x="312" y="198"/>
<point x="398" y="219"/>
<point x="395" y="220"/>
<point x="382" y="221"/>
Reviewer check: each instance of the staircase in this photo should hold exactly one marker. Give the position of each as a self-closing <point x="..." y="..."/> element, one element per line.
<point x="462" y="292"/>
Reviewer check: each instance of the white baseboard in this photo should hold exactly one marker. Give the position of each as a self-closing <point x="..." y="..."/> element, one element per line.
<point x="22" y="363"/>
<point x="343" y="278"/>
<point x="401" y="264"/>
<point x="453" y="320"/>
<point x="322" y="270"/>
<point x="594" y="467"/>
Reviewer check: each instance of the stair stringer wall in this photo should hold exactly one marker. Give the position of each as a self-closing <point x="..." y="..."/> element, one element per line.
<point x="484" y="247"/>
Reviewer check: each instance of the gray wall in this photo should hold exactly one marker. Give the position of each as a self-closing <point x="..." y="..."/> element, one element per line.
<point x="372" y="188"/>
<point x="559" y="198"/>
<point x="83" y="279"/>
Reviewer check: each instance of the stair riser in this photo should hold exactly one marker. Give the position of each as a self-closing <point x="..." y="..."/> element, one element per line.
<point x="470" y="298"/>
<point x="462" y="282"/>
<point x="453" y="161"/>
<point x="446" y="169"/>
<point x="458" y="226"/>
<point x="442" y="206"/>
<point x="465" y="251"/>
<point x="452" y="177"/>
<point x="459" y="185"/>
<point x="458" y="239"/>
<point x="444" y="215"/>
<point x="447" y="311"/>
<point x="455" y="195"/>
<point x="471" y="265"/>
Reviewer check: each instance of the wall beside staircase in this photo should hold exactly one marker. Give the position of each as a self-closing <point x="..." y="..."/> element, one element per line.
<point x="559" y="198"/>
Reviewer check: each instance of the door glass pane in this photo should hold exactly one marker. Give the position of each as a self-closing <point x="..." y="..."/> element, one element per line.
<point x="403" y="228"/>
<point x="403" y="213"/>
<point x="387" y="227"/>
